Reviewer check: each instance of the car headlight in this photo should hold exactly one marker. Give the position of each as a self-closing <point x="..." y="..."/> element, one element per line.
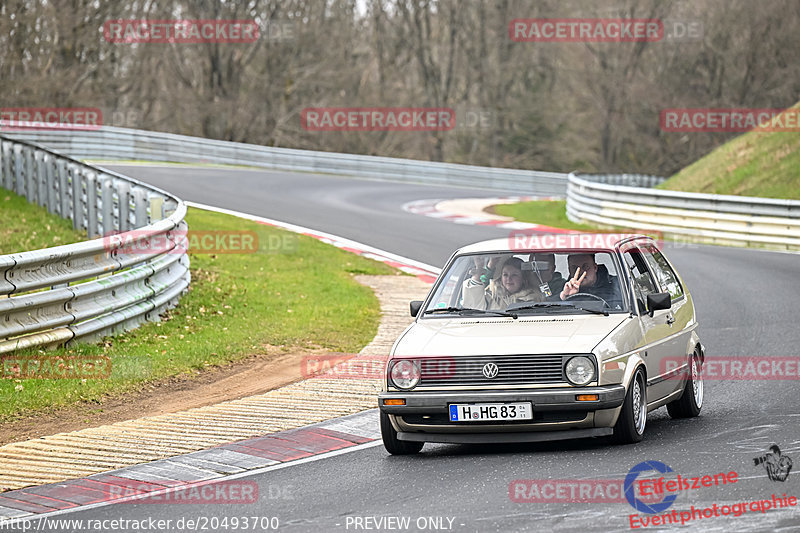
<point x="579" y="370"/>
<point x="405" y="374"/>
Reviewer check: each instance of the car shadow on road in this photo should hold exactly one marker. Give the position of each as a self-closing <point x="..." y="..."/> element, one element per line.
<point x="661" y="429"/>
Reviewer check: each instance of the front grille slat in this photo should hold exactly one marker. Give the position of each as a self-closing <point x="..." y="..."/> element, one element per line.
<point x="512" y="370"/>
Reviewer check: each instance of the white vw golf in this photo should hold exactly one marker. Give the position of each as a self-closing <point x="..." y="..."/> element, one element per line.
<point x="544" y="343"/>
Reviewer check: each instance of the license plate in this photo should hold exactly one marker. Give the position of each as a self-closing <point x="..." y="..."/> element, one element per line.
<point x="478" y="412"/>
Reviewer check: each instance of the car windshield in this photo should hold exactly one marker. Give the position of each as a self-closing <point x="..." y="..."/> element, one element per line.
<point x="529" y="283"/>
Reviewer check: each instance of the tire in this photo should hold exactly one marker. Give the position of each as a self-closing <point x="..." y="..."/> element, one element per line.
<point x="633" y="418"/>
<point x="691" y="401"/>
<point x="392" y="444"/>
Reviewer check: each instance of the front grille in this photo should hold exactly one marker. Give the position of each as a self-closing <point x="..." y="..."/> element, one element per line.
<point x="511" y="370"/>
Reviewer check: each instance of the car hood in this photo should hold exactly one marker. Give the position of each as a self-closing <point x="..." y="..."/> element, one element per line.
<point x="498" y="336"/>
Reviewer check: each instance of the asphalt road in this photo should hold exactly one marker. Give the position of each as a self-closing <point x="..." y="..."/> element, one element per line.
<point x="747" y="304"/>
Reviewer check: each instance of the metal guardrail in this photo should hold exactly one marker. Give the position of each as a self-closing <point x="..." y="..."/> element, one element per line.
<point x="99" y="287"/>
<point x="128" y="144"/>
<point x="712" y="218"/>
<point x="631" y="180"/>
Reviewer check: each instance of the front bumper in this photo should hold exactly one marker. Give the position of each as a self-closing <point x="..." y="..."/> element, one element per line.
<point x="557" y="414"/>
<point x="504" y="438"/>
<point x="432" y="403"/>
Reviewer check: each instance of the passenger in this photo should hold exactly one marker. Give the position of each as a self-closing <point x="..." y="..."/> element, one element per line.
<point x="545" y="276"/>
<point x="486" y="269"/>
<point x="513" y="287"/>
<point x="590" y="278"/>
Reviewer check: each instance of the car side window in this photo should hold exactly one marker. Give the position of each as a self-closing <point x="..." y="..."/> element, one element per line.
<point x="643" y="283"/>
<point x="666" y="276"/>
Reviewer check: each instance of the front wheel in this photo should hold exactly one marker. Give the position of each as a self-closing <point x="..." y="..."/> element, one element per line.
<point x="633" y="418"/>
<point x="392" y="444"/>
<point x="691" y="401"/>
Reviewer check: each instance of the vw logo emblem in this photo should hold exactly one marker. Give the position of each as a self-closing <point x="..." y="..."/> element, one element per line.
<point x="490" y="370"/>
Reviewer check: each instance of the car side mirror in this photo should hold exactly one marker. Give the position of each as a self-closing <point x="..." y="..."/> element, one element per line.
<point x="658" y="301"/>
<point x="416" y="305"/>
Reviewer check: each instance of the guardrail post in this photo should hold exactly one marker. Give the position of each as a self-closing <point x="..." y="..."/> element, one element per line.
<point x="77" y="194"/>
<point x="140" y="206"/>
<point x="40" y="178"/>
<point x="64" y="189"/>
<point x="92" y="229"/>
<point x="156" y="208"/>
<point x="52" y="184"/>
<point x="124" y="194"/>
<point x="107" y="205"/>
<point x="29" y="160"/>
<point x="19" y="172"/>
<point x="6" y="178"/>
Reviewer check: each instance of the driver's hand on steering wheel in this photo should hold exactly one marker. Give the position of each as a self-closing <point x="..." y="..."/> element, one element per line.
<point x="573" y="286"/>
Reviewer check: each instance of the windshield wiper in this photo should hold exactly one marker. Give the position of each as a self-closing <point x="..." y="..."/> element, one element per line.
<point x="545" y="305"/>
<point x="468" y="310"/>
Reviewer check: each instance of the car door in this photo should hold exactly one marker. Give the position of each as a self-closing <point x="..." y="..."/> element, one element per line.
<point x="678" y="317"/>
<point x="656" y="329"/>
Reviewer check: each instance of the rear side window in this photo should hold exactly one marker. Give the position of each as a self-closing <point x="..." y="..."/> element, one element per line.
<point x="664" y="273"/>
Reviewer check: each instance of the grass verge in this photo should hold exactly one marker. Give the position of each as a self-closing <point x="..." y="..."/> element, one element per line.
<point x="299" y="296"/>
<point x="763" y="164"/>
<point x="545" y="212"/>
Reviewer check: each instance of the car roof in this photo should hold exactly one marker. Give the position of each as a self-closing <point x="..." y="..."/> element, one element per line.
<point x="527" y="241"/>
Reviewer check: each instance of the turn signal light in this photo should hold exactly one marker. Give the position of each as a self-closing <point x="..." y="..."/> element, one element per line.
<point x="394" y="402"/>
<point x="587" y="397"/>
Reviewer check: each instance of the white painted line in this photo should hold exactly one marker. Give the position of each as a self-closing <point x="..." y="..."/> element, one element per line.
<point x="518" y="225"/>
<point x="468" y="220"/>
<point x="254" y="472"/>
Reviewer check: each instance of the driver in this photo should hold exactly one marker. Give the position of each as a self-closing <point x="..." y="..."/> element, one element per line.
<point x="513" y="287"/>
<point x="587" y="277"/>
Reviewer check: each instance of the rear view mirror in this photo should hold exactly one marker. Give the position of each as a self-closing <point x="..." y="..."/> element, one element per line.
<point x="658" y="301"/>
<point x="416" y="305"/>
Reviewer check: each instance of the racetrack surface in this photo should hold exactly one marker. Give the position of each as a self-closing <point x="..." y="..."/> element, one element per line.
<point x="746" y="304"/>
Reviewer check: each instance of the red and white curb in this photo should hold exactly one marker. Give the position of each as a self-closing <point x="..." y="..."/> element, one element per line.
<point x="425" y="272"/>
<point x="173" y="479"/>
<point x="433" y="208"/>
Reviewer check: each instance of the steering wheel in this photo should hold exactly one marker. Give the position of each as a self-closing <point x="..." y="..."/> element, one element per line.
<point x="571" y="296"/>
